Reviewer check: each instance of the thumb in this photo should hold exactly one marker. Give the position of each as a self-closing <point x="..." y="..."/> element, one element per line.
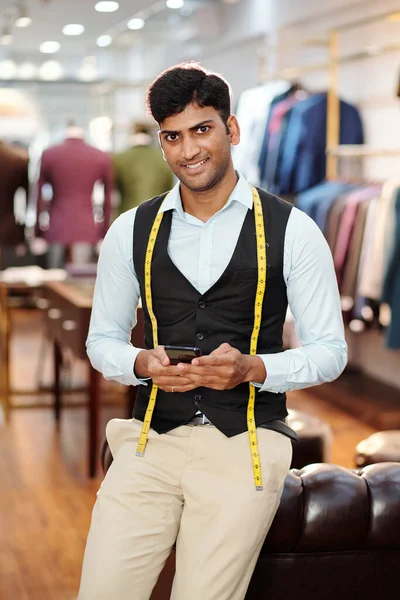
<point x="162" y="355"/>
<point x="222" y="349"/>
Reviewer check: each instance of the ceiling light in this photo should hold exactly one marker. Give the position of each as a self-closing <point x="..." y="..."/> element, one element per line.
<point x="175" y="3"/>
<point x="88" y="70"/>
<point x="136" y="24"/>
<point x="8" y="69"/>
<point x="51" y="70"/>
<point x="6" y="38"/>
<point x="107" y="6"/>
<point x="73" y="29"/>
<point x="23" y="22"/>
<point x="104" y="40"/>
<point x="23" y="19"/>
<point x="6" y="35"/>
<point x="27" y="71"/>
<point x="49" y="47"/>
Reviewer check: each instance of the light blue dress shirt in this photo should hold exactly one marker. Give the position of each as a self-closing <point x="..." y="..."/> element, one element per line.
<point x="202" y="251"/>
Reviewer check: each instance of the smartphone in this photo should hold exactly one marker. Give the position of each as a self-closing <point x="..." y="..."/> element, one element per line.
<point x="184" y="354"/>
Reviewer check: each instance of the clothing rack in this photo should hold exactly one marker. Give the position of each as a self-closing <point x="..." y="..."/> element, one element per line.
<point x="334" y="149"/>
<point x="361" y="151"/>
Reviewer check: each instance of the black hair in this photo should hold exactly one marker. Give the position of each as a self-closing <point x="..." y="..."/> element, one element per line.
<point x="184" y="84"/>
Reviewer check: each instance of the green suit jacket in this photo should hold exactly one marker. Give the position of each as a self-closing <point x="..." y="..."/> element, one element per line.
<point x="140" y="174"/>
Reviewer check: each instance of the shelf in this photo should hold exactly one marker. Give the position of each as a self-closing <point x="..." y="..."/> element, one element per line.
<point x="356" y="150"/>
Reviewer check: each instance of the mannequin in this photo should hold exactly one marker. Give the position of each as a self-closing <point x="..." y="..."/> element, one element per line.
<point x="74" y="170"/>
<point x="140" y="171"/>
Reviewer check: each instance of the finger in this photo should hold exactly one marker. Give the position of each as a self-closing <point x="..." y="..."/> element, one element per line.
<point x="162" y="355"/>
<point x="158" y="370"/>
<point x="202" y="362"/>
<point x="220" y="351"/>
<point x="183" y="388"/>
<point x="166" y="383"/>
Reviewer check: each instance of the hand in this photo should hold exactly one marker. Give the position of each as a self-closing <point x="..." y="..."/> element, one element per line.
<point x="156" y="364"/>
<point x="223" y="369"/>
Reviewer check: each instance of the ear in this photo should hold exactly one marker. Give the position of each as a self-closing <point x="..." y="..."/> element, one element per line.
<point x="234" y="130"/>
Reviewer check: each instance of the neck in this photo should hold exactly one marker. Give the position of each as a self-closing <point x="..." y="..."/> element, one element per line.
<point x="203" y="205"/>
<point x="74" y="133"/>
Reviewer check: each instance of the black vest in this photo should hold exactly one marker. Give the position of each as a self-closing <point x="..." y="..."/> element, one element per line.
<point x="225" y="313"/>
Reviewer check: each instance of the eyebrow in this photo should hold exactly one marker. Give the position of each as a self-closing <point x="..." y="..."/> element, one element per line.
<point x="176" y="131"/>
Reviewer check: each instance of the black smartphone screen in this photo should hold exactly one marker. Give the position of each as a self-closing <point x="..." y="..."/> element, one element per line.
<point x="185" y="354"/>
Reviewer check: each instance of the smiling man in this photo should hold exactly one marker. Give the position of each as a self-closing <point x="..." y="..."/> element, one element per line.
<point x="203" y="462"/>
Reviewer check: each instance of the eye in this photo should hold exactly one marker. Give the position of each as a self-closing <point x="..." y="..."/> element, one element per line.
<point x="203" y="129"/>
<point x="171" y="137"/>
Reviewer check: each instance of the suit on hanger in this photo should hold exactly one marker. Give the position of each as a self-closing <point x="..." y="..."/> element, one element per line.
<point x="72" y="169"/>
<point x="303" y="162"/>
<point x="13" y="175"/>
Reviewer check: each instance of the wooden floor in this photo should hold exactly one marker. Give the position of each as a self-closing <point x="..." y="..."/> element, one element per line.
<point x="45" y="496"/>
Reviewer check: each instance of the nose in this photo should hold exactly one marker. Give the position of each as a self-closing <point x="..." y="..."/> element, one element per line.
<point x="190" y="148"/>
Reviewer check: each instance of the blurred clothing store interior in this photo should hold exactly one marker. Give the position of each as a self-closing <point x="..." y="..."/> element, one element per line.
<point x="316" y="91"/>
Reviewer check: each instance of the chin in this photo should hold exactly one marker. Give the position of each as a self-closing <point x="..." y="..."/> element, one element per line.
<point x="202" y="184"/>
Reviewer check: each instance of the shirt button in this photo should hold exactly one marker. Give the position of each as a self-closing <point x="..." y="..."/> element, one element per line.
<point x="202" y="304"/>
<point x="197" y="397"/>
<point x="200" y="336"/>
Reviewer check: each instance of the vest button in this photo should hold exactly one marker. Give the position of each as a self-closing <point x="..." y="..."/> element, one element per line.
<point x="200" y="336"/>
<point x="202" y="304"/>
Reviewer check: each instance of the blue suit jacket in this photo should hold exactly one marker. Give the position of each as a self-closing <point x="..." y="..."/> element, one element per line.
<point x="303" y="163"/>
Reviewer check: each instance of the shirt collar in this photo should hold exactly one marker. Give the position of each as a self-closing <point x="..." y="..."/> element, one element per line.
<point x="242" y="193"/>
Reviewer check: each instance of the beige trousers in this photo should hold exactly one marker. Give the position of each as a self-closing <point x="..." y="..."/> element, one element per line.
<point x="194" y="486"/>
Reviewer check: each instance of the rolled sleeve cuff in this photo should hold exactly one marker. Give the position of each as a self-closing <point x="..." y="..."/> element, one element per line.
<point x="277" y="369"/>
<point x="127" y="362"/>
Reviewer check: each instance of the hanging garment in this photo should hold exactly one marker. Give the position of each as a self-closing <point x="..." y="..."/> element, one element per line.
<point x="317" y="201"/>
<point x="391" y="287"/>
<point x="350" y="272"/>
<point x="333" y="221"/>
<point x="347" y="226"/>
<point x="303" y="159"/>
<point x="13" y="178"/>
<point x="265" y="142"/>
<point x="72" y="169"/>
<point x="371" y="283"/>
<point x="252" y="113"/>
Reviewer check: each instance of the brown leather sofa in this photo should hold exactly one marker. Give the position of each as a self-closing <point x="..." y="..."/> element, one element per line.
<point x="336" y="536"/>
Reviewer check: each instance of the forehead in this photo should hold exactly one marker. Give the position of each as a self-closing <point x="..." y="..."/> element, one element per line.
<point x="189" y="117"/>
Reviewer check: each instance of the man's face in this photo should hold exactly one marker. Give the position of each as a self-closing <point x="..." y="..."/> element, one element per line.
<point x="197" y="146"/>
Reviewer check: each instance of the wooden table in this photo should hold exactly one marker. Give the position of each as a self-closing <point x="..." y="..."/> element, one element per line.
<point x="66" y="309"/>
<point x="67" y="312"/>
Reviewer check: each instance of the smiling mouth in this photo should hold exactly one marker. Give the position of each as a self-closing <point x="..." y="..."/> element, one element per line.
<point x="196" y="165"/>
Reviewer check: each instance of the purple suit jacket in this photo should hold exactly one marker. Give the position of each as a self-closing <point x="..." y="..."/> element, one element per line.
<point x="72" y="168"/>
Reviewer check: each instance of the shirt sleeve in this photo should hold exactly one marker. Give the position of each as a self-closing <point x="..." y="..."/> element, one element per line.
<point x="115" y="301"/>
<point x="314" y="301"/>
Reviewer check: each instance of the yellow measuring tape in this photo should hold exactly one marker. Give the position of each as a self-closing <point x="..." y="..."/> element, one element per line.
<point x="258" y="305"/>
<point x="149" y="303"/>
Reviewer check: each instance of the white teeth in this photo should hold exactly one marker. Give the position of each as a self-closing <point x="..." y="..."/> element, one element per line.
<point x="196" y="165"/>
